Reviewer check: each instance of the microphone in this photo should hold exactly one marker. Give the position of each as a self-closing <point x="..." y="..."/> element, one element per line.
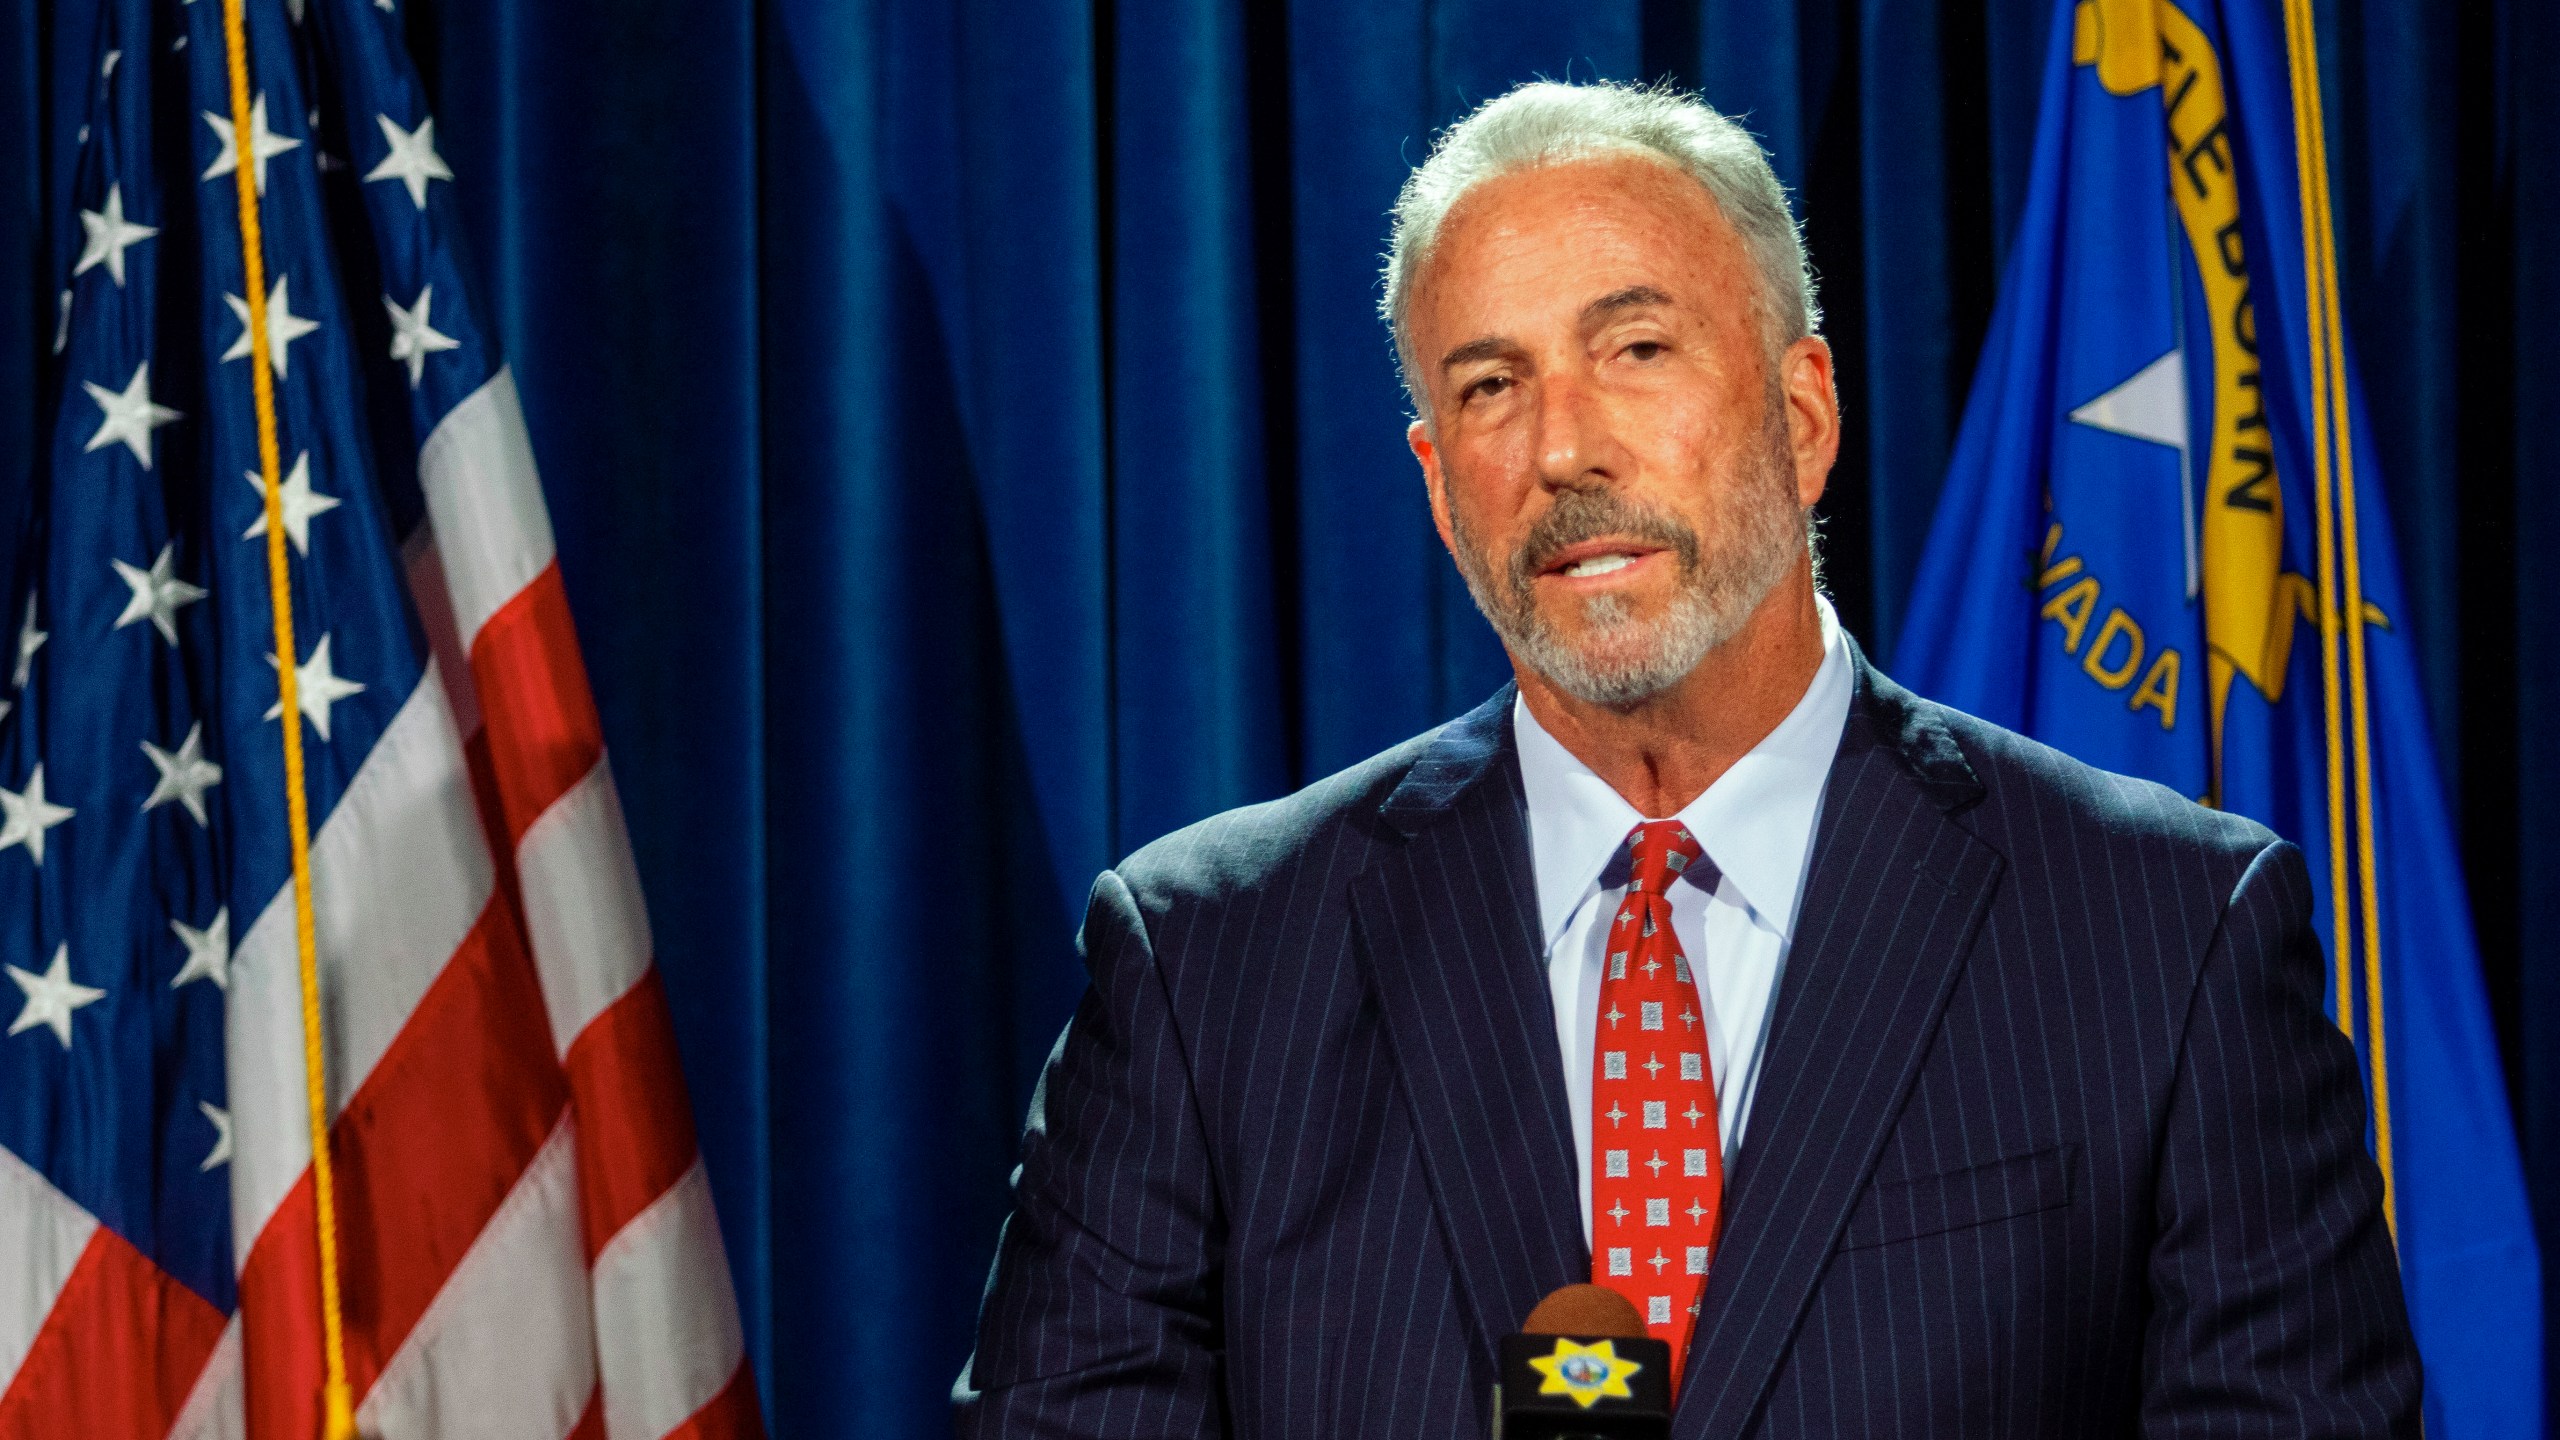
<point x="1583" y="1369"/>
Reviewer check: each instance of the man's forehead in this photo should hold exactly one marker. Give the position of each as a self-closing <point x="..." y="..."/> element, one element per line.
<point x="1625" y="298"/>
<point x="1638" y="195"/>
<point x="1580" y="239"/>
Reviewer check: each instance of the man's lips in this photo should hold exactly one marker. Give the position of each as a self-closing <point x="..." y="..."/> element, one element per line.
<point x="1595" y="559"/>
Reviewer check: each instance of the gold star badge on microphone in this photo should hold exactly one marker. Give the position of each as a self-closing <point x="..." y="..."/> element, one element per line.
<point x="1586" y="1373"/>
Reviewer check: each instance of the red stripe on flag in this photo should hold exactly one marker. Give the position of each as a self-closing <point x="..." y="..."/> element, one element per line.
<point x="118" y="1352"/>
<point x="534" y="705"/>
<point x="426" y="1152"/>
<point x="635" y="1128"/>
<point x="731" y="1415"/>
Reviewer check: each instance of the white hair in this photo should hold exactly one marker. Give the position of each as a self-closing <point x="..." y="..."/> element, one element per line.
<point x="1546" y="123"/>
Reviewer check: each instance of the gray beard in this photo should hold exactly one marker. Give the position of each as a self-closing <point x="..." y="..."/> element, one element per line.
<point x="1621" y="662"/>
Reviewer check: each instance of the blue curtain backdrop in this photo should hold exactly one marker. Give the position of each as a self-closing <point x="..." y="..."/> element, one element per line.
<point x="974" y="454"/>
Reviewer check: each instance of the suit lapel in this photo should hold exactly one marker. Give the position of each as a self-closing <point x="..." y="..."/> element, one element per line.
<point x="1448" y="924"/>
<point x="1896" y="893"/>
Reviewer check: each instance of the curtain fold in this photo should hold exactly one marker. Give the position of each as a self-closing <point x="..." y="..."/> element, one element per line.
<point x="975" y="453"/>
<point x="2509" y="691"/>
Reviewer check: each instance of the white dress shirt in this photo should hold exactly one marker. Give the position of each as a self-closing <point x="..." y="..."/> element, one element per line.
<point x="1756" y="824"/>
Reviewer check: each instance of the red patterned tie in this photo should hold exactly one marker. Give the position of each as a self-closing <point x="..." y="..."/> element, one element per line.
<point x="1657" y="1166"/>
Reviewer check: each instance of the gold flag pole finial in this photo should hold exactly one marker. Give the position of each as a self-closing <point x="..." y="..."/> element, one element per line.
<point x="337" y="1405"/>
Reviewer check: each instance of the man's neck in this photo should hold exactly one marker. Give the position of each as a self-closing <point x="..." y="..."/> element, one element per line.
<point x="1664" y="752"/>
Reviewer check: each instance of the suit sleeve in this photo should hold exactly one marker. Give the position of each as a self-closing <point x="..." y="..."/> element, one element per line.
<point x="2276" y="1305"/>
<point x="1100" y="1316"/>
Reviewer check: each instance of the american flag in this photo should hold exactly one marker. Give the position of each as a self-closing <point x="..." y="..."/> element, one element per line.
<point x="525" y="1237"/>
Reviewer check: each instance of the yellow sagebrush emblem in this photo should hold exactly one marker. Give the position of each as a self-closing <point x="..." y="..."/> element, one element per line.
<point x="1587" y="1373"/>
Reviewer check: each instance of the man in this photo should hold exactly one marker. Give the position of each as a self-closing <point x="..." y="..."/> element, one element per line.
<point x="1911" y="1078"/>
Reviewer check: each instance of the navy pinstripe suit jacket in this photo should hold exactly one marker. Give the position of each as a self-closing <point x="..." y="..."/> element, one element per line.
<point x="2052" y="1137"/>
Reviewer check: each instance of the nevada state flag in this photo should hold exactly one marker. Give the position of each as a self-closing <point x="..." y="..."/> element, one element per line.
<point x="2163" y="548"/>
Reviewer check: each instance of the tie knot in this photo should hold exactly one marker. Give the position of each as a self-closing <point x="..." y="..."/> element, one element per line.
<point x="1658" y="852"/>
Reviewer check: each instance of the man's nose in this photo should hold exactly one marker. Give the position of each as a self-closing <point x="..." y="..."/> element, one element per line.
<point x="1572" y="443"/>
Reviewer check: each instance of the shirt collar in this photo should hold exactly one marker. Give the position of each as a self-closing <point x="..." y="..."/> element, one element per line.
<point x="1755" y="822"/>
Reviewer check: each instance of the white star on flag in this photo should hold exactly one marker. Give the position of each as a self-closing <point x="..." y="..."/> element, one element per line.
<point x="412" y="338"/>
<point x="184" y="775"/>
<point x="221" y="1152"/>
<point x="264" y="144"/>
<point x="413" y="160"/>
<point x="108" y="235"/>
<point x="2151" y="405"/>
<point x="157" y="593"/>
<point x="51" y="997"/>
<point x="301" y="502"/>
<point x="208" y="951"/>
<point x="62" y="325"/>
<point x="30" y="640"/>
<point x="25" y="815"/>
<point x="130" y="415"/>
<point x="283" y="326"/>
<point x="319" y="688"/>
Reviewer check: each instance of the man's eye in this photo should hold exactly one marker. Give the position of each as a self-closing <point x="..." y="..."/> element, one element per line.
<point x="1488" y="387"/>
<point x="1644" y="350"/>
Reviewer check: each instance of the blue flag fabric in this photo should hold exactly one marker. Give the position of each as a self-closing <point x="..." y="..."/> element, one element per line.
<point x="2140" y="532"/>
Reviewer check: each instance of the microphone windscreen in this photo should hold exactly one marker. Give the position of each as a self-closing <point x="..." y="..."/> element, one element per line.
<point x="1584" y="1370"/>
<point x="1589" y="1311"/>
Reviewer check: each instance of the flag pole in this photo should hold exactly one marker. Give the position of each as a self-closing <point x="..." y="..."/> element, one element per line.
<point x="336" y="1402"/>
<point x="2333" y="435"/>
<point x="2334" y="751"/>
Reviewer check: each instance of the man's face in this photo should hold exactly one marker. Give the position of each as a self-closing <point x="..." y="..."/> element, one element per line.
<point x="1616" y="459"/>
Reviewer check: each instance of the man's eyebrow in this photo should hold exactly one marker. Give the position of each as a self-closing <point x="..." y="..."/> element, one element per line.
<point x="1633" y="297"/>
<point x="1490" y="347"/>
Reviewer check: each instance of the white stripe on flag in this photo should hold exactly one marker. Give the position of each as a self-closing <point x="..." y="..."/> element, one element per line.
<point x="507" y="1350"/>
<point x="667" y="1333"/>
<point x="42" y="1234"/>
<point x="484" y="499"/>
<point x="399" y="875"/>
<point x="216" y="1409"/>
<point x="582" y="905"/>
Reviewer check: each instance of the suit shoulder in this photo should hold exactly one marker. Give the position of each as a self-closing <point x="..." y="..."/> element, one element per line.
<point x="2030" y="784"/>
<point x="1253" y="847"/>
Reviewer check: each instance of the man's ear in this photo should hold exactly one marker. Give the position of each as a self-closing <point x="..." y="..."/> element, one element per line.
<point x="1813" y="414"/>
<point x="1417" y="437"/>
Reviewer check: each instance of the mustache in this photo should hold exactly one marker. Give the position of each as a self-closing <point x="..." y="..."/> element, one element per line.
<point x="1581" y="515"/>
